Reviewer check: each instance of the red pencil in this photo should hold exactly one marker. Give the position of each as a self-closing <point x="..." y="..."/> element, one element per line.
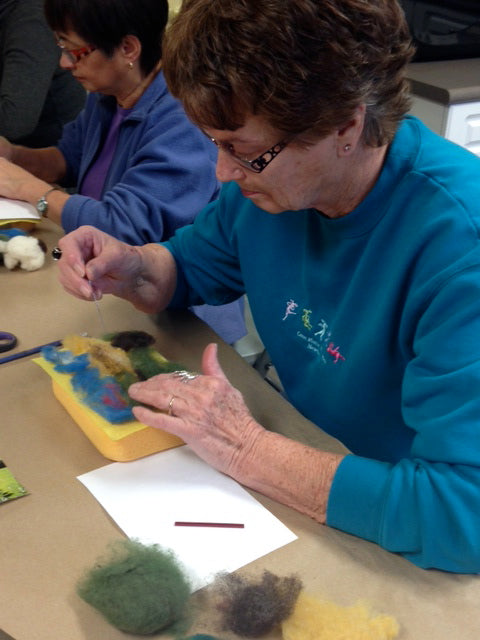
<point x="220" y="525"/>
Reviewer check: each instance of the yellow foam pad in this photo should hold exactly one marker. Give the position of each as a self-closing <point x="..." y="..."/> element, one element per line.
<point x="119" y="442"/>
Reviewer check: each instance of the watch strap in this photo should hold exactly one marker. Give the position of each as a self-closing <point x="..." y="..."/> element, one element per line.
<point x="42" y="203"/>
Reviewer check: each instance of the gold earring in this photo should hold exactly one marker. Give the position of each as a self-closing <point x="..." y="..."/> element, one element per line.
<point x="130" y="65"/>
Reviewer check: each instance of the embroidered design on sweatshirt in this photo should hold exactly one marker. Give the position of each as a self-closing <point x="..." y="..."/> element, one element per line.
<point x="306" y="318"/>
<point x="290" y="310"/>
<point x="318" y="337"/>
<point x="334" y="351"/>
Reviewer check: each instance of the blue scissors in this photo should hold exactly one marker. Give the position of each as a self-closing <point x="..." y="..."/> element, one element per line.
<point x="7" y="341"/>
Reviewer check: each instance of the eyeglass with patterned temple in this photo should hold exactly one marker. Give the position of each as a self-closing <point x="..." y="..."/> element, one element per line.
<point x="75" y="55"/>
<point x="258" y="164"/>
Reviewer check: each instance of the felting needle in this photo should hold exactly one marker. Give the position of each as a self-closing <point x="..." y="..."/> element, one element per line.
<point x="97" y="307"/>
<point x="56" y="255"/>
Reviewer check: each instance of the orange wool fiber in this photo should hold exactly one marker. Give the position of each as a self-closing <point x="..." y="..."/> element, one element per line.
<point x="109" y="360"/>
<point x="316" y="619"/>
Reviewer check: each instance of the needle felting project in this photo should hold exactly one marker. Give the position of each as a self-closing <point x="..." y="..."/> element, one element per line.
<point x="91" y="377"/>
<point x="252" y="608"/>
<point x="10" y="488"/>
<point x="18" y="249"/>
<point x="140" y="589"/>
<point x="103" y="369"/>
<point x="315" y="619"/>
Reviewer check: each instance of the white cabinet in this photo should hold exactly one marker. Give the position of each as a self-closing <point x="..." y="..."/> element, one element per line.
<point x="446" y="97"/>
<point x="457" y="122"/>
<point x="463" y="125"/>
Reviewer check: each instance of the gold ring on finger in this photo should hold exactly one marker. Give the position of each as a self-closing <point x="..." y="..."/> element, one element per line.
<point x="170" y="406"/>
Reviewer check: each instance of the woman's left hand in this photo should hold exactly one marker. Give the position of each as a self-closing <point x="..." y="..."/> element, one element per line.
<point x="206" y="411"/>
<point x="17" y="183"/>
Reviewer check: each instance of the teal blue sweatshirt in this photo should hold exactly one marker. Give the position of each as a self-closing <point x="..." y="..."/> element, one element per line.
<point x="372" y="321"/>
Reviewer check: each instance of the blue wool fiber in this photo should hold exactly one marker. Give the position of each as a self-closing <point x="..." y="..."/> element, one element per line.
<point x="102" y="394"/>
<point x="65" y="361"/>
<point x="6" y="234"/>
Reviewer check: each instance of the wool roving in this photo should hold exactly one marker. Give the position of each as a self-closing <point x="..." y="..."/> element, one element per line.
<point x="103" y="394"/>
<point x="138" y="588"/>
<point x="103" y="369"/>
<point x="18" y="249"/>
<point x="316" y="619"/>
<point x="253" y="608"/>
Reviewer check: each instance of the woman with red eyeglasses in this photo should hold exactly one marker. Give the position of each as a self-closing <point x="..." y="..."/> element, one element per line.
<point x="37" y="97"/>
<point x="133" y="163"/>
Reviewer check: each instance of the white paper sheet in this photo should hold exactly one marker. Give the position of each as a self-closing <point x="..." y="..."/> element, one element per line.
<point x="17" y="210"/>
<point x="147" y="496"/>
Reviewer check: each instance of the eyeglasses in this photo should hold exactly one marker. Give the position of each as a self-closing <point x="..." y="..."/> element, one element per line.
<point x="75" y="55"/>
<point x="258" y="164"/>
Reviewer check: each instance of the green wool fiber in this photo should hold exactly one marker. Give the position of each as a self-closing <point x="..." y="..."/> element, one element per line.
<point x="139" y="589"/>
<point x="148" y="363"/>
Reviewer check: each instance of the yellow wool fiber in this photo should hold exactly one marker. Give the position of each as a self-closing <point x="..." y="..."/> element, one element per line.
<point x="315" y="619"/>
<point x="108" y="359"/>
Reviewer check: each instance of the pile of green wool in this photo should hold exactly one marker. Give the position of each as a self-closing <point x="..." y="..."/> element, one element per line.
<point x="139" y="589"/>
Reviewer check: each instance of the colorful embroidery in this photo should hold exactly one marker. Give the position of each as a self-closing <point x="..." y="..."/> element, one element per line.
<point x="306" y="319"/>
<point x="323" y="329"/>
<point x="290" y="310"/>
<point x="321" y="342"/>
<point x="334" y="351"/>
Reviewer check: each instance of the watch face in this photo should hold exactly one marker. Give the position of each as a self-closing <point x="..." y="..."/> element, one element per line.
<point x="42" y="205"/>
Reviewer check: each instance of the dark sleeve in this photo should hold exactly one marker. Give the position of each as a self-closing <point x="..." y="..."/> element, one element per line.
<point x="29" y="58"/>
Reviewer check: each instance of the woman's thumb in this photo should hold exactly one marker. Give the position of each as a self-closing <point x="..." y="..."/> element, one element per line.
<point x="210" y="364"/>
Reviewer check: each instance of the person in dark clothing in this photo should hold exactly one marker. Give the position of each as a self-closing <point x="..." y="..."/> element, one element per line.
<point x="37" y="97"/>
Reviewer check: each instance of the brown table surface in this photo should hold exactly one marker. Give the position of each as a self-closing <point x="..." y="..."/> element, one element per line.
<point x="51" y="536"/>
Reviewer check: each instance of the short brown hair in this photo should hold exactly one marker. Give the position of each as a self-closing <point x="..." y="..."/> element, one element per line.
<point x="304" y="65"/>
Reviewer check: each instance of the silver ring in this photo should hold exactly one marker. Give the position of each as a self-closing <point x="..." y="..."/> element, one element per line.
<point x="185" y="376"/>
<point x="170" y="406"/>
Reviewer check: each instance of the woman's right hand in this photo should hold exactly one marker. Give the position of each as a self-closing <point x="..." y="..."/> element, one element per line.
<point x="92" y="258"/>
<point x="93" y="263"/>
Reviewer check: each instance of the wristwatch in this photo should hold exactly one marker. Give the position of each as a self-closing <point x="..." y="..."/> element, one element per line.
<point x="42" y="204"/>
